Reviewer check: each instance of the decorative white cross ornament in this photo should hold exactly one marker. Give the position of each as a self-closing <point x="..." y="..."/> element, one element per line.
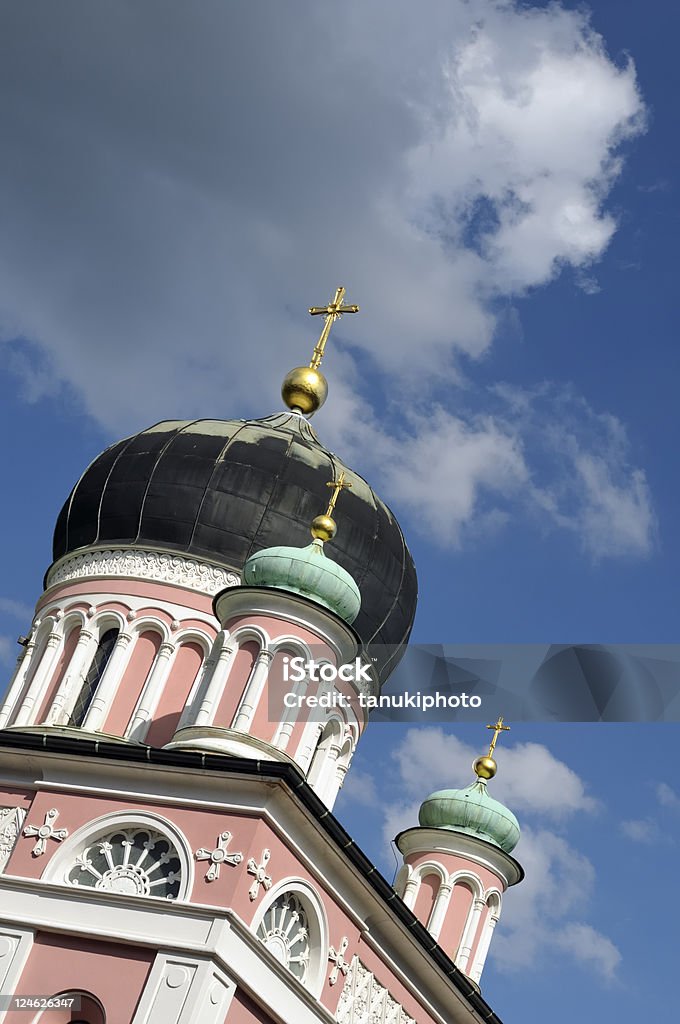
<point x="218" y="856"/>
<point x="337" y="957"/>
<point x="261" y="876"/>
<point x="45" y="831"/>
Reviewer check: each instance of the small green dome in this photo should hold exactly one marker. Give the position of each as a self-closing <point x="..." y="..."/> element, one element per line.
<point x="473" y="812"/>
<point x="306" y="571"/>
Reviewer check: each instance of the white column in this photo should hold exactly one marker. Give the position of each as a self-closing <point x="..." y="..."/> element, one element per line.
<point x="289" y="718"/>
<point x="17" y="681"/>
<point x="483" y="947"/>
<point x="439" y="908"/>
<point x="324" y="784"/>
<point x="43" y="674"/>
<point x="411" y="891"/>
<point x="74" y="677"/>
<point x="468" y="936"/>
<point x="152" y="691"/>
<point x="308" y="744"/>
<point x="220" y="673"/>
<point x="113" y="673"/>
<point x="253" y="691"/>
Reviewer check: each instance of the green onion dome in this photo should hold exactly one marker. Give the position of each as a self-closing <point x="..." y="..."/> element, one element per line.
<point x="473" y="812"/>
<point x="306" y="571"/>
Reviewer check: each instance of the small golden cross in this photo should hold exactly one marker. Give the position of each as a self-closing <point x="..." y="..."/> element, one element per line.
<point x="498" y="728"/>
<point x="337" y="486"/>
<point x="332" y="312"/>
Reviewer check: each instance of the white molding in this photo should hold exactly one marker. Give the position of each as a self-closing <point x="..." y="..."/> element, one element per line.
<point x="440" y="840"/>
<point x="144" y="564"/>
<point x="183" y="990"/>
<point x="15" y="945"/>
<point x="318" y="919"/>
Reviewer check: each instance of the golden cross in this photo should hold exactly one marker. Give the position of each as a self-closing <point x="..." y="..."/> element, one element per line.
<point x="498" y="728"/>
<point x="332" y="312"/>
<point x="337" y="486"/>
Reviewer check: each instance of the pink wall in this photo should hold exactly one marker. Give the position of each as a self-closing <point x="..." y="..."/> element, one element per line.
<point x="451" y="934"/>
<point x="59" y="673"/>
<point x="130" y="687"/>
<point x="244" y="1011"/>
<point x="63" y="592"/>
<point x="236" y="684"/>
<point x="115" y="974"/>
<point x="429" y="887"/>
<point x="185" y="668"/>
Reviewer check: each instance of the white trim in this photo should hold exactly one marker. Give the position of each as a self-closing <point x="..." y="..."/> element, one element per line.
<point x="16" y="945"/>
<point x="183" y="990"/>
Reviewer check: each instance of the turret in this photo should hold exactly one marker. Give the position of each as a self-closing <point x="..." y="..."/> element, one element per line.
<point x="458" y="865"/>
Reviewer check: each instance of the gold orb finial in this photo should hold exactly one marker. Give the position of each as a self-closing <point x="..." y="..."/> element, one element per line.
<point x="305" y="388"/>
<point x="485" y="767"/>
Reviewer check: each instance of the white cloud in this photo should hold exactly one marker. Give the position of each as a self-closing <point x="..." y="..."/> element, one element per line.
<point x="593" y="949"/>
<point x="178" y="203"/>
<point x="667" y="796"/>
<point x="359" y="788"/>
<point x="530" y="778"/>
<point x="640" y="830"/>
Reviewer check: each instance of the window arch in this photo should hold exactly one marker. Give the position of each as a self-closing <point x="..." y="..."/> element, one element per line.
<point x="133" y="855"/>
<point x="292" y="925"/>
<point x="86" y="1009"/>
<point x="94" y="675"/>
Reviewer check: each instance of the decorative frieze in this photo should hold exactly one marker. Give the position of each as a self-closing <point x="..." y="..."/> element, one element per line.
<point x="139" y="563"/>
<point x="365" y="1001"/>
<point x="11" y="821"/>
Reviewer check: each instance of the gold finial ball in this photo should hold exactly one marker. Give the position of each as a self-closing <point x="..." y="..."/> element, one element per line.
<point x="324" y="528"/>
<point x="485" y="767"/>
<point x="304" y="389"/>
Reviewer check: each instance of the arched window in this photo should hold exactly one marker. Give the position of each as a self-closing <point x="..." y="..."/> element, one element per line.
<point x="93" y="677"/>
<point x="135" y="861"/>
<point x="140" y="855"/>
<point x="292" y="924"/>
<point x="73" y="1007"/>
<point x="284" y="930"/>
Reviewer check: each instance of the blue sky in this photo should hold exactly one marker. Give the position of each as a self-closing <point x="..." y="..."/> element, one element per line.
<point x="495" y="184"/>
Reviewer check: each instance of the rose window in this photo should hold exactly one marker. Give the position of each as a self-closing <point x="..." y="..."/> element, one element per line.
<point x="284" y="930"/>
<point x="133" y="861"/>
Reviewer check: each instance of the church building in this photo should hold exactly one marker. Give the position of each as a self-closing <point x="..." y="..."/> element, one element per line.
<point x="168" y="848"/>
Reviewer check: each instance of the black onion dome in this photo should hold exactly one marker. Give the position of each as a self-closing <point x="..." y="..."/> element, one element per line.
<point x="219" y="490"/>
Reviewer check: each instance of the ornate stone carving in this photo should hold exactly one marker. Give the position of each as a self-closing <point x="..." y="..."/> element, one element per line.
<point x="11" y="820"/>
<point x="364" y="1000"/>
<point x="337" y="957"/>
<point x="46" y="831"/>
<point x="218" y="856"/>
<point x="260" y="873"/>
<point x="161" y="567"/>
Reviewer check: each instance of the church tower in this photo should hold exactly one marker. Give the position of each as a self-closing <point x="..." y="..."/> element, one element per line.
<point x="168" y="850"/>
<point x="457" y="865"/>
